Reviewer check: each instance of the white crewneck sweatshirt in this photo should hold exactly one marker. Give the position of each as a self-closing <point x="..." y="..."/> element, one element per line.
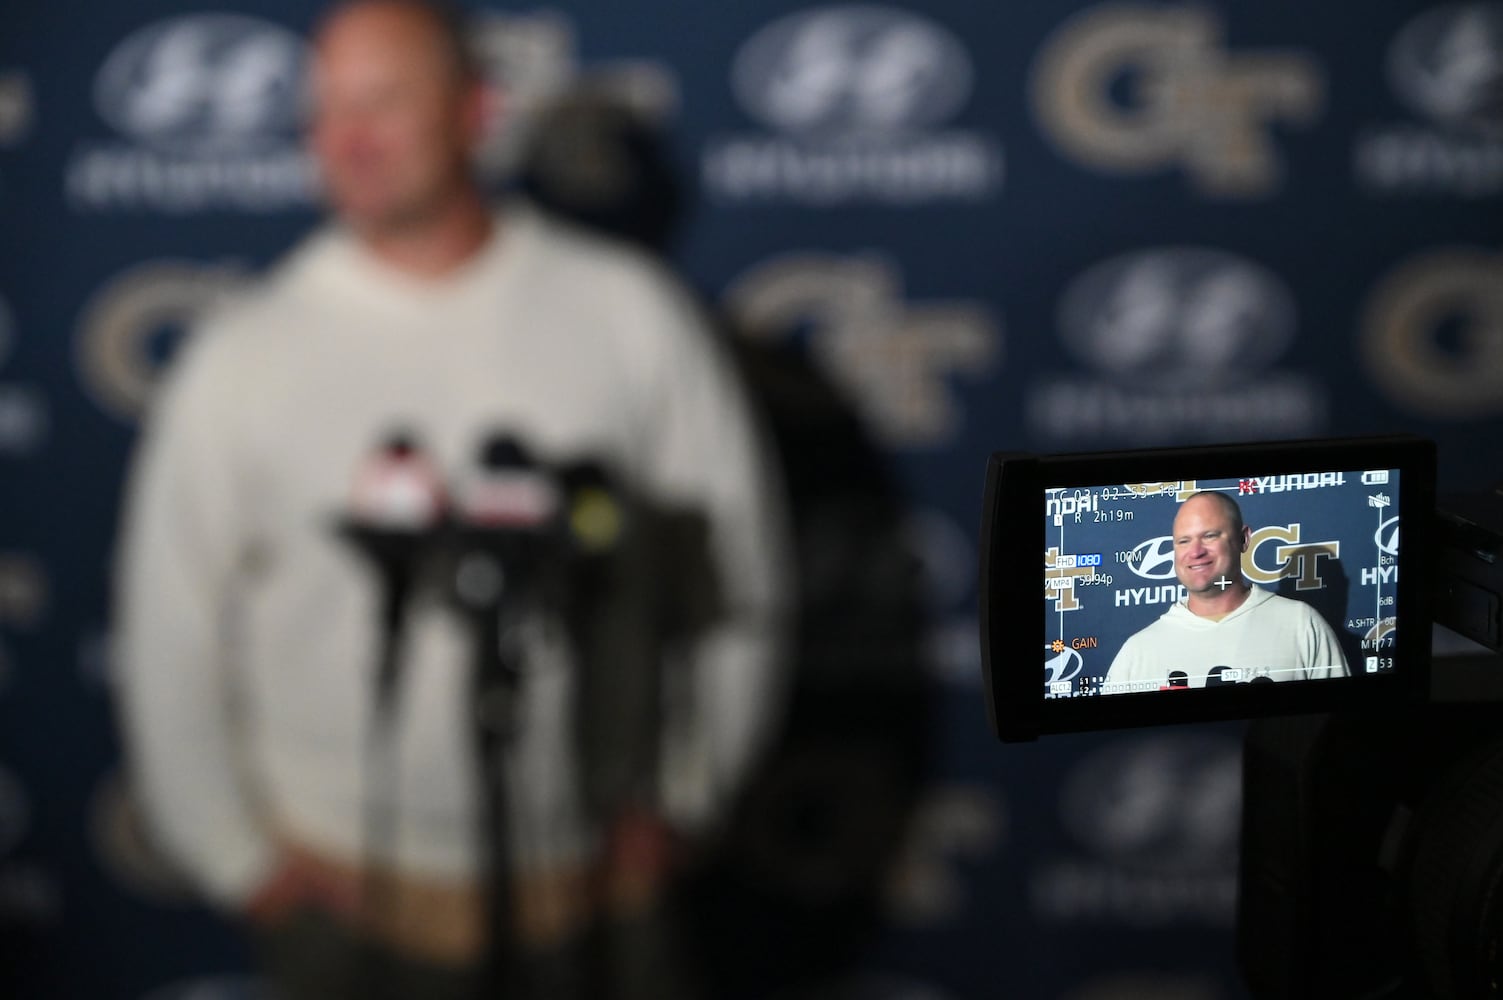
<point x="1267" y="635"/>
<point x="247" y="629"/>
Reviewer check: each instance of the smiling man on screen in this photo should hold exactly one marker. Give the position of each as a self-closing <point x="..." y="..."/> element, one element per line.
<point x="1225" y="630"/>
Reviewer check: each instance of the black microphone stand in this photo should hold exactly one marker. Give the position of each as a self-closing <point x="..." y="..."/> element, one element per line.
<point x="395" y="554"/>
<point x="492" y="585"/>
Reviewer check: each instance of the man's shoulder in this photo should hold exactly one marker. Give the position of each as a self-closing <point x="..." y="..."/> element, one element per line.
<point x="1161" y="629"/>
<point x="235" y="337"/>
<point x="618" y="274"/>
<point x="1273" y="604"/>
<point x="1291" y="612"/>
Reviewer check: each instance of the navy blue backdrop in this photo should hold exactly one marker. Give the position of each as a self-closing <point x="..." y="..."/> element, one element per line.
<point x="1046" y="226"/>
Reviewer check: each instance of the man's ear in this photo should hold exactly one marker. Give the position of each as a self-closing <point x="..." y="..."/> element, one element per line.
<point x="1246" y="537"/>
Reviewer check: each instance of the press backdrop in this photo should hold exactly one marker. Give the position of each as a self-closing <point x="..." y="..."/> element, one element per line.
<point x="1052" y="226"/>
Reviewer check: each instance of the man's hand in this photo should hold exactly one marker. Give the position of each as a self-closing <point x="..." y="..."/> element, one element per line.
<point x="641" y="853"/>
<point x="300" y="880"/>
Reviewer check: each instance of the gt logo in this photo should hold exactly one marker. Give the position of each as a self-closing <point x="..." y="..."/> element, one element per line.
<point x="895" y="358"/>
<point x="1059" y="580"/>
<point x="135" y="319"/>
<point x="1184" y="98"/>
<point x="1183" y="489"/>
<point x="1435" y="334"/>
<point x="1292" y="560"/>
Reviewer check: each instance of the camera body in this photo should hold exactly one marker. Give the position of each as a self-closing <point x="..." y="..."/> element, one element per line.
<point x="1372" y="832"/>
<point x="1341" y="528"/>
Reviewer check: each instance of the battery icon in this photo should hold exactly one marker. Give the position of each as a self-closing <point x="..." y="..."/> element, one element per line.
<point x="1377" y="477"/>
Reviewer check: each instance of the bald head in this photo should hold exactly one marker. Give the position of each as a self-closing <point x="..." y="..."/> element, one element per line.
<point x="1209" y="539"/>
<point x="1229" y="507"/>
<point x="441" y="27"/>
<point x="397" y="112"/>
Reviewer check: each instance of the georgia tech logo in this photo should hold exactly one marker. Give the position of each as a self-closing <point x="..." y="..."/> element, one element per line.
<point x="1060" y="577"/>
<point x="1387" y="537"/>
<point x="1293" y="559"/>
<point x="1190" y="103"/>
<point x="1434" y="334"/>
<point x="852" y="69"/>
<point x="1153" y="559"/>
<point x="893" y="357"/>
<point x="119" y="344"/>
<point x="1182" y="489"/>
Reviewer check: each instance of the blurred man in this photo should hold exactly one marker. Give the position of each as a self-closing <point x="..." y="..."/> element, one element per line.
<point x="248" y="629"/>
<point x="1224" y="623"/>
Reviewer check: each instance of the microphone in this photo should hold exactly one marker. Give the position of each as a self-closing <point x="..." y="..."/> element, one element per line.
<point x="504" y="518"/>
<point x="396" y="504"/>
<point x="1178" y="679"/>
<point x="397" y="489"/>
<point x="596" y="512"/>
<point x="1215" y="678"/>
<point x="507" y="491"/>
<point x="504" y="512"/>
<point x="395" y="511"/>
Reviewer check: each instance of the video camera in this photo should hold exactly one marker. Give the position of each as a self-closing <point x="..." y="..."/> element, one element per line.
<point x="1296" y="584"/>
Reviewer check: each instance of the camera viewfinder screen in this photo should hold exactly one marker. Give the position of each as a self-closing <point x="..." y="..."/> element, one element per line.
<point x="1194" y="584"/>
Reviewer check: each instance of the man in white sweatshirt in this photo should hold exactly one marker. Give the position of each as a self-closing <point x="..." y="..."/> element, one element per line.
<point x="1225" y="630"/>
<point x="247" y="629"/>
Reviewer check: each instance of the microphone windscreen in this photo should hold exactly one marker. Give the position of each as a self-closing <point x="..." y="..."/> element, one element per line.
<point x="397" y="489"/>
<point x="507" y="489"/>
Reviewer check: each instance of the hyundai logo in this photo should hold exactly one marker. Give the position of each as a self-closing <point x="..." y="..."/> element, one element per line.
<point x="1181" y="315"/>
<point x="1154" y="559"/>
<point x="1157" y="802"/>
<point x="204" y="81"/>
<point x="1387" y="537"/>
<point x="1447" y="64"/>
<point x="852" y="70"/>
<point x="1065" y="666"/>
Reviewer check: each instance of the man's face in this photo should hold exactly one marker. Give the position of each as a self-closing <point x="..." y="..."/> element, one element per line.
<point x="1206" y="547"/>
<point x="393" y="126"/>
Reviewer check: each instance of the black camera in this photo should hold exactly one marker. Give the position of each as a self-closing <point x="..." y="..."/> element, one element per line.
<point x="1296" y="584"/>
